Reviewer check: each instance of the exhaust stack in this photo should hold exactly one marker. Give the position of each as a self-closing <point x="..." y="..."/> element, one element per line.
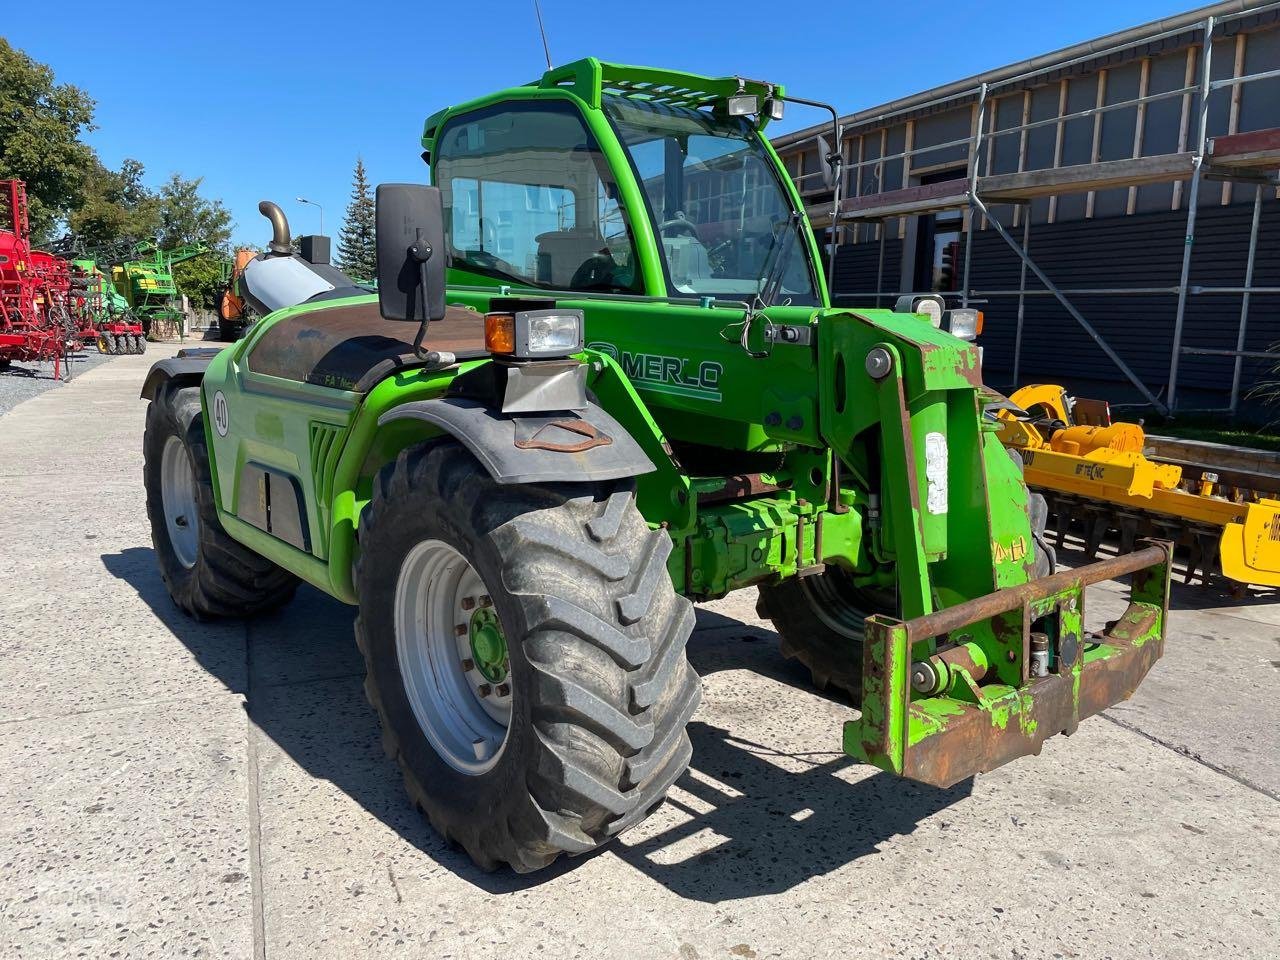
<point x="279" y="245"/>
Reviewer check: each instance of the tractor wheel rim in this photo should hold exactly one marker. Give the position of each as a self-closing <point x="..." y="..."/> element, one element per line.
<point x="443" y="615"/>
<point x="178" y="500"/>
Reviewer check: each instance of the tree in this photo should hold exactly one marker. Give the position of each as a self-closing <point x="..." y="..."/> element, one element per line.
<point x="186" y="217"/>
<point x="356" y="252"/>
<point x="116" y="209"/>
<point x="40" y="126"/>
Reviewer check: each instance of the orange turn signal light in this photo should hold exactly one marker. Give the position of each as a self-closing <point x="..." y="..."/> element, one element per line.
<point x="500" y="332"/>
<point x="977" y="332"/>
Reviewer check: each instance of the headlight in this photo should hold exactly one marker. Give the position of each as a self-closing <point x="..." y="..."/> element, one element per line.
<point x="930" y="306"/>
<point x="963" y="322"/>
<point x="534" y="334"/>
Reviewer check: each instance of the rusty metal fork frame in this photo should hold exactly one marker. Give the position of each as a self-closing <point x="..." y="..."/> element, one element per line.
<point x="972" y="727"/>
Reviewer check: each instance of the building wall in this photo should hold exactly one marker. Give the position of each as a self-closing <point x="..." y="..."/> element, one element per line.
<point x="1114" y="252"/>
<point x="1122" y="237"/>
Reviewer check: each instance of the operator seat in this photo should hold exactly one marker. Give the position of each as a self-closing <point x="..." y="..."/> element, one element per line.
<point x="562" y="252"/>
<point x="687" y="260"/>
<point x="351" y="347"/>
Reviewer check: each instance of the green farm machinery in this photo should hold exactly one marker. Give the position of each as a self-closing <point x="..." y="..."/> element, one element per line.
<point x="602" y="379"/>
<point x="102" y="313"/>
<point x="147" y="282"/>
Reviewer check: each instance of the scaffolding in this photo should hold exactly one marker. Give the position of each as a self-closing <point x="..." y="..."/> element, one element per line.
<point x="1247" y="158"/>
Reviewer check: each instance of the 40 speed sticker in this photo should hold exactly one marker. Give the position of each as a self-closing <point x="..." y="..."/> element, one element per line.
<point x="221" y="415"/>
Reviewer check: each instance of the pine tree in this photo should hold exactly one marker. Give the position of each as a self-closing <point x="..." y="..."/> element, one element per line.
<point x="356" y="254"/>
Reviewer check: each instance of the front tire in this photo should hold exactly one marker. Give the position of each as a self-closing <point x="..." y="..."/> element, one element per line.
<point x="208" y="574"/>
<point x="589" y="732"/>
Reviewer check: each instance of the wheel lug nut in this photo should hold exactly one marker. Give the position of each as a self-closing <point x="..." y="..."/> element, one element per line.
<point x="460" y="629"/>
<point x="504" y="689"/>
<point x="468" y="603"/>
<point x="485" y="690"/>
<point x="468" y="665"/>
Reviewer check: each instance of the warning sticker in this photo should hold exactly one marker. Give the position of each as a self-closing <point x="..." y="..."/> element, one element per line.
<point x="935" y="472"/>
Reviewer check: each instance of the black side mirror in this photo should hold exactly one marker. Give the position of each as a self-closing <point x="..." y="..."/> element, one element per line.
<point x="410" y="250"/>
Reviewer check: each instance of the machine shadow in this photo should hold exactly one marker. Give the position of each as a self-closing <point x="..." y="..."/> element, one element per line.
<point x="777" y="819"/>
<point x="757" y="825"/>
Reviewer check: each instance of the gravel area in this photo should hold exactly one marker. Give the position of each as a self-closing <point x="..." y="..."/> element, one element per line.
<point x="23" y="380"/>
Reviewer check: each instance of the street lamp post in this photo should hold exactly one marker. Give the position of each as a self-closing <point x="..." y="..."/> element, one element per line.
<point x="314" y="204"/>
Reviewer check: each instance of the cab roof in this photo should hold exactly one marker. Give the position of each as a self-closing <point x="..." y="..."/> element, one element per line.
<point x="590" y="80"/>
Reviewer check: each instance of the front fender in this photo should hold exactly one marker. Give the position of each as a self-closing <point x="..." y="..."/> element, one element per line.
<point x="569" y="447"/>
<point x="188" y="365"/>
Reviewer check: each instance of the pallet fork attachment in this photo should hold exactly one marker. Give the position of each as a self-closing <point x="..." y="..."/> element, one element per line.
<point x="930" y="717"/>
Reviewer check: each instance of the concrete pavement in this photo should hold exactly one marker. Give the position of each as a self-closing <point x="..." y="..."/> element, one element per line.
<point x="173" y="789"/>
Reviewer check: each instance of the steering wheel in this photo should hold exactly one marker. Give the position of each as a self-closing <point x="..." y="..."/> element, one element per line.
<point x="595" y="273"/>
<point x="681" y="224"/>
<point x="484" y="258"/>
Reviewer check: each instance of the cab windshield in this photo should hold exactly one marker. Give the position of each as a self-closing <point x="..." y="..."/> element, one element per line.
<point x="724" y="219"/>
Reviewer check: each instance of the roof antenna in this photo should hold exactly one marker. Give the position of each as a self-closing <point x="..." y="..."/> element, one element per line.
<point x="537" y="9"/>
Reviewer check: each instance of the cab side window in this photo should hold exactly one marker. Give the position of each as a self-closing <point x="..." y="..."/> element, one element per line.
<point x="530" y="199"/>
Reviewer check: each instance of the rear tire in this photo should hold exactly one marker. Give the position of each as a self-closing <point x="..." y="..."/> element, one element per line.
<point x="1038" y="515"/>
<point x="821" y="622"/>
<point x="208" y="574"/>
<point x="599" y="689"/>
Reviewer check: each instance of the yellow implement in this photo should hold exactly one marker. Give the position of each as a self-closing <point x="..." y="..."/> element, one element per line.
<point x="1250" y="549"/>
<point x="1094" y="471"/>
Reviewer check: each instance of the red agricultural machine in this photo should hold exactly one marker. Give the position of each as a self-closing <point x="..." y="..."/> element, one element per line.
<point x="36" y="322"/>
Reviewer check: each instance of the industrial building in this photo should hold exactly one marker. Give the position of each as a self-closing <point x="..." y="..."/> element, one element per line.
<point x="1111" y="206"/>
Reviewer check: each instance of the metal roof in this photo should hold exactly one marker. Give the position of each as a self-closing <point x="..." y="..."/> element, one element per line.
<point x="1168" y="31"/>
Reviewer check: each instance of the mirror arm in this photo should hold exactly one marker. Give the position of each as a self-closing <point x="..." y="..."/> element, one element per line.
<point x="421" y="251"/>
<point x="836" y="162"/>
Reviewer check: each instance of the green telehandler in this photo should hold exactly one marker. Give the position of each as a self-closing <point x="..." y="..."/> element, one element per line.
<point x="601" y="379"/>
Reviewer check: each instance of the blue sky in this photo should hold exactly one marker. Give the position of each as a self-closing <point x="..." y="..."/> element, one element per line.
<point x="276" y="100"/>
